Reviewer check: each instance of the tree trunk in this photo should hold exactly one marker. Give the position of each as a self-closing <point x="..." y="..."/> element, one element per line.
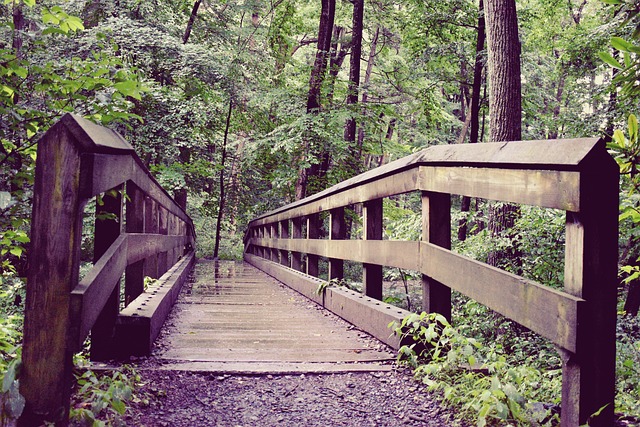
<point x="338" y="53"/>
<point x="505" y="95"/>
<point x="318" y="73"/>
<point x="365" y="93"/>
<point x="474" y="112"/>
<point x="505" y="123"/>
<point x="354" y="162"/>
<point x="221" y="199"/>
<point x="192" y="19"/>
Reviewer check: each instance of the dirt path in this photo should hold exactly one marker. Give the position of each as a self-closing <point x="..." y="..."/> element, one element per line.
<point x="185" y="399"/>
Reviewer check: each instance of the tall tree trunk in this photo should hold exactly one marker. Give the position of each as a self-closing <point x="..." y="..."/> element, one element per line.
<point x="338" y="53"/>
<point x="474" y="112"/>
<point x="365" y="92"/>
<point x="354" y="162"/>
<point x="222" y="197"/>
<point x="192" y="19"/>
<point x="505" y="105"/>
<point x="318" y="73"/>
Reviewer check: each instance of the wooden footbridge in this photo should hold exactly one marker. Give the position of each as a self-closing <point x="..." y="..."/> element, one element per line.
<point x="247" y="320"/>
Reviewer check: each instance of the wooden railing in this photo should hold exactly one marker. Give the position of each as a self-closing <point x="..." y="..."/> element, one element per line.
<point x="139" y="231"/>
<point x="577" y="176"/>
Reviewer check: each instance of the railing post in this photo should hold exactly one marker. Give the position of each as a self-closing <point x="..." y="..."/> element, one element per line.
<point x="107" y="231"/>
<point x="296" y="257"/>
<point x="54" y="257"/>
<point x="259" y="233"/>
<point x="274" y="234"/>
<point x="372" y="273"/>
<point x="151" y="227"/>
<point x="591" y="256"/>
<point x="313" y="232"/>
<point x="163" y="228"/>
<point x="436" y="229"/>
<point x="284" y="234"/>
<point x="134" y="273"/>
<point x="337" y="231"/>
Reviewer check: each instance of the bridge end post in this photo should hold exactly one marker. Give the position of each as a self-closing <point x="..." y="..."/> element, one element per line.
<point x="591" y="264"/>
<point x="56" y="232"/>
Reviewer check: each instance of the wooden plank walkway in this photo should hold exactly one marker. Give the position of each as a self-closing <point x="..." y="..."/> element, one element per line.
<point x="233" y="318"/>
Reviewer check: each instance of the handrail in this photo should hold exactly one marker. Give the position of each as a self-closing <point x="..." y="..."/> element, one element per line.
<point x="146" y="233"/>
<point x="574" y="175"/>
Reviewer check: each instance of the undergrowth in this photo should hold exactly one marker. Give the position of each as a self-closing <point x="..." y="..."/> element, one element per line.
<point x="481" y="381"/>
<point x="100" y="399"/>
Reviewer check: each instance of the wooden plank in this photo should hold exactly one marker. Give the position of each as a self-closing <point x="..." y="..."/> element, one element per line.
<point x="141" y="246"/>
<point x="366" y="313"/>
<point x="550" y="313"/>
<point x="139" y="324"/>
<point x="436" y="229"/>
<point x="91" y="294"/>
<point x="558" y="154"/>
<point x="372" y="220"/>
<point x="549" y="189"/>
<point x="390" y="253"/>
<point x="108" y="170"/>
<point x="552" y="155"/>
<point x="402" y="182"/>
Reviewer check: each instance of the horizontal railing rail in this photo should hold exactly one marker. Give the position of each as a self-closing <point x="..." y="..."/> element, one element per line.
<point x="574" y="175"/>
<point x="139" y="231"/>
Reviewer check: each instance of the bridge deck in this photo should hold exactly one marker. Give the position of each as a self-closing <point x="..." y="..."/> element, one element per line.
<point x="234" y="318"/>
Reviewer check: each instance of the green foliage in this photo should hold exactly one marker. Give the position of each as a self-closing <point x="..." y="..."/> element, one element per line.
<point x="101" y="399"/>
<point x="11" y="402"/>
<point x="479" y="380"/>
<point x="628" y="365"/>
<point x="626" y="150"/>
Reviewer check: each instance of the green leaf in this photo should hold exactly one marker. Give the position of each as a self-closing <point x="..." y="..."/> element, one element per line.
<point x="17" y="251"/>
<point x="119" y="406"/>
<point x="128" y="88"/>
<point x="609" y="59"/>
<point x="621" y="44"/>
<point x="612" y="1"/>
<point x="10" y="375"/>
<point x="633" y="127"/>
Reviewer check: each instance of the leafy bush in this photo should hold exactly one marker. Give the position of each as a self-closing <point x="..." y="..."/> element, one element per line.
<point x="481" y="381"/>
<point x="11" y="402"/>
<point x="100" y="399"/>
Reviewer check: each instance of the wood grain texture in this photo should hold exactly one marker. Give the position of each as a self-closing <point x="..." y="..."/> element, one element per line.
<point x="401" y="175"/>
